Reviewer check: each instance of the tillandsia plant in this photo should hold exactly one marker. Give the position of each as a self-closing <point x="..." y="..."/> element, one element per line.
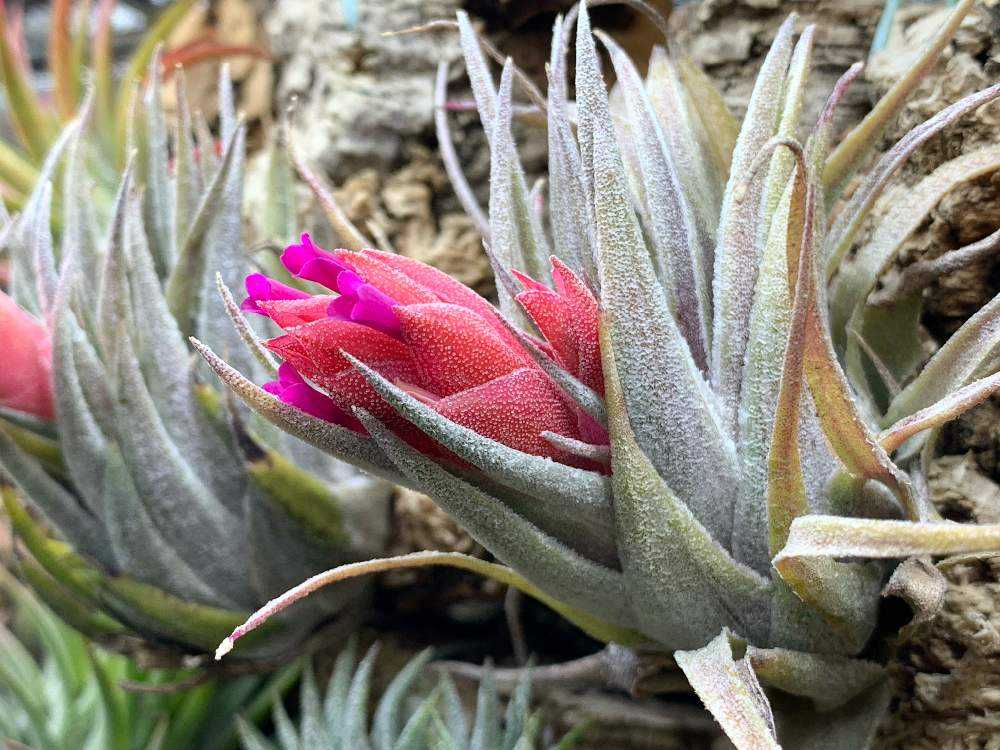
<point x="663" y="432"/>
<point x="160" y="515"/>
<point x="58" y="692"/>
<point x="407" y="717"/>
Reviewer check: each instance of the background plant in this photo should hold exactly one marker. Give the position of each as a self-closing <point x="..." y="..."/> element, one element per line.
<point x="57" y="691"/>
<point x="405" y="717"/>
<point x="151" y="501"/>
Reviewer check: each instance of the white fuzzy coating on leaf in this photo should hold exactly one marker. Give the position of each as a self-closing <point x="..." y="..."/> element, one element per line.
<point x="513" y="235"/>
<point x="670" y="406"/>
<point x="176" y="499"/>
<point x="153" y="169"/>
<point x="547" y="563"/>
<point x="139" y="546"/>
<point x="671" y="102"/>
<point x="569" y="504"/>
<point x="671" y="219"/>
<point x="730" y="691"/>
<point x="689" y="585"/>
<point x="569" y="210"/>
<point x="737" y="252"/>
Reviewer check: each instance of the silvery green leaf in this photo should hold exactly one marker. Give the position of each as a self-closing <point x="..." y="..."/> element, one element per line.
<point x="387" y="721"/>
<point x="413" y="736"/>
<point x="335" y="699"/>
<point x="113" y="304"/>
<point x="714" y="128"/>
<point x="81" y="434"/>
<point x="153" y="160"/>
<point x="954" y="365"/>
<point x="228" y="122"/>
<point x="251" y="738"/>
<point x="178" y="501"/>
<point x="486" y="731"/>
<point x="79" y="237"/>
<point x="20" y="243"/>
<point x="546" y="562"/>
<point x="852" y="726"/>
<point x="355" y="715"/>
<point x="334" y="439"/>
<point x="687" y="584"/>
<point x="845" y="227"/>
<point x="453" y="713"/>
<point x="206" y="145"/>
<point x="592" y="108"/>
<point x="138" y="545"/>
<point x="949" y="407"/>
<point x="770" y="321"/>
<point x="730" y="691"/>
<point x="844" y="593"/>
<point x="479" y="74"/>
<point x="288" y="736"/>
<point x="782" y="161"/>
<point x="737" y="252"/>
<point x="314" y="734"/>
<point x="517" y="718"/>
<point x="64" y="511"/>
<point x="515" y="234"/>
<point x="671" y="220"/>
<point x="281" y="216"/>
<point x="165" y="361"/>
<point x="225" y="255"/>
<point x="39" y="230"/>
<point x="703" y="189"/>
<point x="829" y="681"/>
<point x="815" y="537"/>
<point x="187" y="182"/>
<point x="569" y="210"/>
<point x="446" y="145"/>
<point x="671" y="407"/>
<point x="570" y="504"/>
<point x="184" y="282"/>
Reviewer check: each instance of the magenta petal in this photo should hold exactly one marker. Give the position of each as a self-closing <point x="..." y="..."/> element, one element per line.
<point x="363" y="303"/>
<point x="262" y="288"/>
<point x="306" y="261"/>
<point x="322" y="271"/>
<point x="313" y="402"/>
<point x="292" y="389"/>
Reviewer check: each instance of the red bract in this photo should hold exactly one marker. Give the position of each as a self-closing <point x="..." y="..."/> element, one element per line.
<point x="433" y="338"/>
<point x="26" y="375"/>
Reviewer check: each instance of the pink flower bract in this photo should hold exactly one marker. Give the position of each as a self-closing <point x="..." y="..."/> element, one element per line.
<point x="435" y="339"/>
<point x="26" y="374"/>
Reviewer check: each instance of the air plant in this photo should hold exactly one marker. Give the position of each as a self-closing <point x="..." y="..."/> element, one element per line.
<point x="407" y="717"/>
<point x="57" y="691"/>
<point x="664" y="432"/>
<point x="139" y="493"/>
